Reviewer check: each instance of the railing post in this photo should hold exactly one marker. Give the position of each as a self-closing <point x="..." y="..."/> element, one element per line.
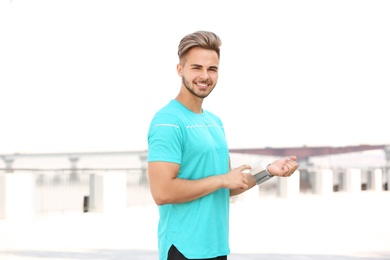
<point x="323" y="182"/>
<point x="375" y="178"/>
<point x="108" y="192"/>
<point x="8" y="163"/>
<point x="387" y="167"/>
<point x="17" y="196"/>
<point x="73" y="166"/>
<point x="144" y="167"/>
<point x="387" y="176"/>
<point x="353" y="180"/>
<point x="288" y="187"/>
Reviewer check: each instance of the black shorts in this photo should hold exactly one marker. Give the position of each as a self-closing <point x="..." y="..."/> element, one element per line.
<point x="174" y="254"/>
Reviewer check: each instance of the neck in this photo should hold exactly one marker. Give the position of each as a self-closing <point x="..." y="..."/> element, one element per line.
<point x="191" y="102"/>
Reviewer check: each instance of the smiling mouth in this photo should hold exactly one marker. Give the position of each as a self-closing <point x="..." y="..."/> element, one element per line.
<point x="202" y="85"/>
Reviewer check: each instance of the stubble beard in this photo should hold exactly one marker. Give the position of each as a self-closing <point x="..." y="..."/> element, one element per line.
<point x="192" y="90"/>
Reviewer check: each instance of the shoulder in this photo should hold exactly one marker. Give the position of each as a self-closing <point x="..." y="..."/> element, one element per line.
<point x="167" y="115"/>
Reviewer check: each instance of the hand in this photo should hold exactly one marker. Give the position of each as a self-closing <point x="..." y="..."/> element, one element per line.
<point x="236" y="179"/>
<point x="284" y="167"/>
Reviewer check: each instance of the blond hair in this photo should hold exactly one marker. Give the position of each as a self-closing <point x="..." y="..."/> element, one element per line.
<point x="204" y="39"/>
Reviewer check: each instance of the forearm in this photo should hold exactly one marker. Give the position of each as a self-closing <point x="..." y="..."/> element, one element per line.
<point x="166" y="188"/>
<point x="179" y="190"/>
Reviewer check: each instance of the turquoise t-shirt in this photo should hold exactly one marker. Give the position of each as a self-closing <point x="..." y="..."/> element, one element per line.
<point x="199" y="228"/>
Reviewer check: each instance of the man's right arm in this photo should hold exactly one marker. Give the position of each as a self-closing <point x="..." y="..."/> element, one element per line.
<point x="166" y="188"/>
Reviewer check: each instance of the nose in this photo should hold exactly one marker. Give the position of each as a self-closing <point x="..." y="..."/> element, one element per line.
<point x="204" y="74"/>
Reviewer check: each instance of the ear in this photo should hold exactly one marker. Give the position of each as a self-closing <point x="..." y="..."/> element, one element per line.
<point x="179" y="69"/>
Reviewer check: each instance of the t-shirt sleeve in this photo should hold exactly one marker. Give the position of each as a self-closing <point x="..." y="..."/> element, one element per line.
<point x="164" y="140"/>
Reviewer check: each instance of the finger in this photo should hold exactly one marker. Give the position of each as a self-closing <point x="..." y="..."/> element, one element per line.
<point x="286" y="168"/>
<point x="244" y="167"/>
<point x="292" y="170"/>
<point x="291" y="164"/>
<point x="244" y="186"/>
<point x="291" y="161"/>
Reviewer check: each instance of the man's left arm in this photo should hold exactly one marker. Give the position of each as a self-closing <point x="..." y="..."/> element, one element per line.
<point x="283" y="167"/>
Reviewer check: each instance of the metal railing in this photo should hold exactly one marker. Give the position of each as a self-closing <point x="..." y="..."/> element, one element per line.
<point x="66" y="190"/>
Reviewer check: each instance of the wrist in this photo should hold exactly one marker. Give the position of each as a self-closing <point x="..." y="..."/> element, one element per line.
<point x="266" y="169"/>
<point x="261" y="175"/>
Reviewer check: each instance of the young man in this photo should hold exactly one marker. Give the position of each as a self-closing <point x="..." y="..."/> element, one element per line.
<point x="188" y="161"/>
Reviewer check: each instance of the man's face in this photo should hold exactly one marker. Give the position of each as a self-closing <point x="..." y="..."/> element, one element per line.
<point x="199" y="71"/>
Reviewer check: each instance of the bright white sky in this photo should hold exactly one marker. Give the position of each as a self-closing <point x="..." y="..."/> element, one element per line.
<point x="89" y="75"/>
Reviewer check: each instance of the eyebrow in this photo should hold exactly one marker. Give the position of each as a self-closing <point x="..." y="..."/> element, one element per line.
<point x="197" y="65"/>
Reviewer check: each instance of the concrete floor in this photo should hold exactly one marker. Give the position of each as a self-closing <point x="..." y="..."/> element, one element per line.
<point x="340" y="226"/>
